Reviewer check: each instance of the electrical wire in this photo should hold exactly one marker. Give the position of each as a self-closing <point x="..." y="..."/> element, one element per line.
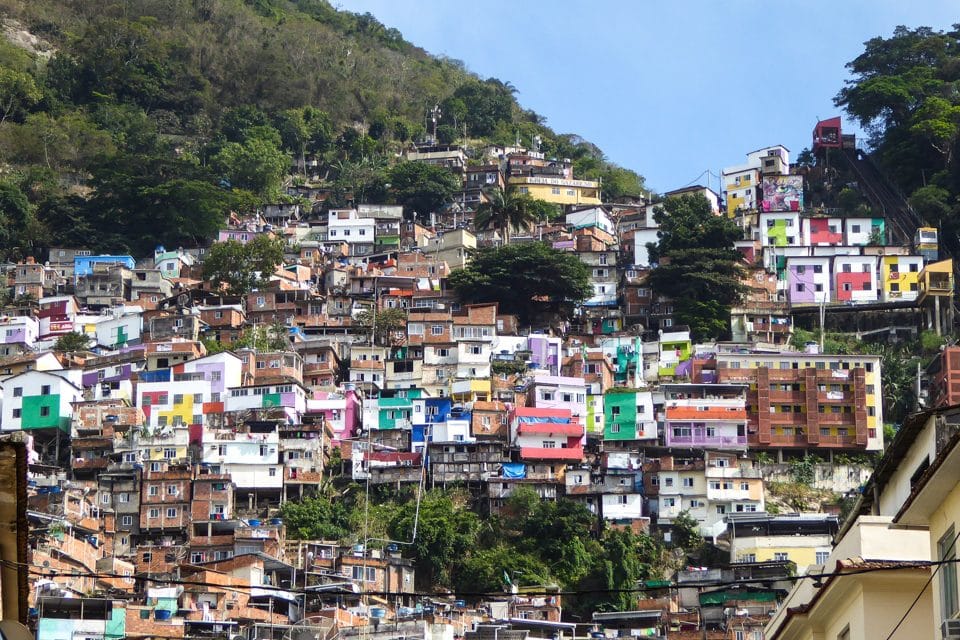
<point x="39" y="572"/>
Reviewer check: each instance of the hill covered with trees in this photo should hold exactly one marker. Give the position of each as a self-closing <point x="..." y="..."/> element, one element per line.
<point x="124" y="125"/>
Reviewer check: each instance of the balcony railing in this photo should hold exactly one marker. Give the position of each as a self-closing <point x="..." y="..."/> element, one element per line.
<point x="706" y="441"/>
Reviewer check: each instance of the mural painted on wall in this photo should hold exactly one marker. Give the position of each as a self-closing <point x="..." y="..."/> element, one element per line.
<point x="782" y="193"/>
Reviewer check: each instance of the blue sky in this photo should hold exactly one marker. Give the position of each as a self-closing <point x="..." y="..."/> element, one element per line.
<point x="669" y="89"/>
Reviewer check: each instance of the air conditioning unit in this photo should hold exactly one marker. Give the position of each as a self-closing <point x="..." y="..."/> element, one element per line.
<point x="950" y="628"/>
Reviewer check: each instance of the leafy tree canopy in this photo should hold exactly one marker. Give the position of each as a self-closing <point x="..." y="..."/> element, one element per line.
<point x="697" y="266"/>
<point x="242" y="267"/>
<point x="524" y="279"/>
<point x="422" y="188"/>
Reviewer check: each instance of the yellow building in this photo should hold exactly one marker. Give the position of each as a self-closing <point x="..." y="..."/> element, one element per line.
<point x="900" y="277"/>
<point x="804" y="540"/>
<point x="879" y="569"/>
<point x="740" y="186"/>
<point x="558" y="190"/>
<point x="935" y="504"/>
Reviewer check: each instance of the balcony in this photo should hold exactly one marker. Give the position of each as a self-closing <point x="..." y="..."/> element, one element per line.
<point x="738" y="414"/>
<point x="551" y="453"/>
<point x="706" y="441"/>
<point x="725" y="495"/>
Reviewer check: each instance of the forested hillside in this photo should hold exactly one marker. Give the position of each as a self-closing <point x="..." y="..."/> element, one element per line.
<point x="905" y="91"/>
<point x="125" y="124"/>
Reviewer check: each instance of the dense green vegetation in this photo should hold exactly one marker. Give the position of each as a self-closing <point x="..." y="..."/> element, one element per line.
<point x="531" y="542"/>
<point x="904" y="92"/>
<point x="151" y="120"/>
<point x="526" y="279"/>
<point x="698" y="267"/>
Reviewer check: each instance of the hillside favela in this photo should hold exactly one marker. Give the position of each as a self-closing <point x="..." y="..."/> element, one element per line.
<point x="309" y="334"/>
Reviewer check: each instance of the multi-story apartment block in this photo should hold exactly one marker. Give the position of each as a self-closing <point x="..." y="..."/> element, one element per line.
<point x="808" y="401"/>
<point x="741" y="189"/>
<point x="705" y="416"/>
<point x="347" y="226"/>
<point x="432" y="331"/>
<point x="546" y="434"/>
<point x="165" y="503"/>
<point x="628" y="417"/>
<point x="681" y="487"/>
<point x="558" y="392"/>
<point x="734" y="485"/>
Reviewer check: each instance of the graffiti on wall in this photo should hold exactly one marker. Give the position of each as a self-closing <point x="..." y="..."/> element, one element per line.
<point x="782" y="193"/>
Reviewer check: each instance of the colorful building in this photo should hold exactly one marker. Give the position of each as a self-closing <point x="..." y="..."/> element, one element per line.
<point x="561" y="191"/>
<point x="808" y="280"/>
<point x="832" y="402"/>
<point x="705" y="415"/>
<point x="855" y="278"/>
<point x="780" y="229"/>
<point x="628" y="415"/>
<point x="40" y="400"/>
<point x="900" y="277"/>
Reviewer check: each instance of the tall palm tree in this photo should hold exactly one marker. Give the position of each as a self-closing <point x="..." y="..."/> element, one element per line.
<point x="504" y="210"/>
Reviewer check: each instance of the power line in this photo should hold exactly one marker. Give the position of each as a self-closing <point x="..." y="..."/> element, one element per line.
<point x="499" y="594"/>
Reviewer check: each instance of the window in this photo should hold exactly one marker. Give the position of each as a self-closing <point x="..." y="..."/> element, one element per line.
<point x="669" y="502"/>
<point x="721" y="509"/>
<point x="273" y="472"/>
<point x="18" y="392"/>
<point x="621" y="499"/>
<point x="155" y="466"/>
<point x="153" y="513"/>
<point x="668" y="482"/>
<point x="126" y="521"/>
<point x="436" y="330"/>
<point x="744" y="486"/>
<point x="822" y="557"/>
<point x="947" y="550"/>
<point x="16" y="413"/>
<point x="45" y="390"/>
<point x="153" y="490"/>
<point x="169" y="453"/>
<point x="171" y="512"/>
<point x="172" y="490"/>
<point x="688" y="482"/>
<point x="780" y="556"/>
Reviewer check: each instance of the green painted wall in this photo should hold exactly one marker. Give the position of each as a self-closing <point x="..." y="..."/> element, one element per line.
<point x="625" y="418"/>
<point x="33" y="407"/>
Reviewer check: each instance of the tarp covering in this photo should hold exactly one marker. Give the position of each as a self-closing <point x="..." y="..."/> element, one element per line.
<point x="513" y="470"/>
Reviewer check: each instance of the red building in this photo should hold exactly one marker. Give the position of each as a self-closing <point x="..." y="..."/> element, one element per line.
<point x="944" y="376"/>
<point x="826" y="231"/>
<point x="827" y="134"/>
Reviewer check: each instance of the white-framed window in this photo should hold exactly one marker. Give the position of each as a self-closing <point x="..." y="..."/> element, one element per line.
<point x="171" y="512"/>
<point x="153" y="513"/>
<point x="126" y="521"/>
